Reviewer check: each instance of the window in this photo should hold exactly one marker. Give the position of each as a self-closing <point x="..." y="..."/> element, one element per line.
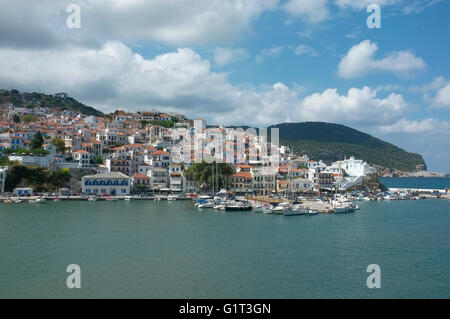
<point x="124" y="190"/>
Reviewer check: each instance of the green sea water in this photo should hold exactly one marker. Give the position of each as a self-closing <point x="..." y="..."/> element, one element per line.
<point x="146" y="249"/>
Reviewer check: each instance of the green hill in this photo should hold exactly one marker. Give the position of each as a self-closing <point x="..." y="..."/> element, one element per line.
<point x="332" y="142"/>
<point x="32" y="100"/>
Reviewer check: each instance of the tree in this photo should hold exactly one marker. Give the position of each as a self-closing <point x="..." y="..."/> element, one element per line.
<point x="141" y="188"/>
<point x="97" y="160"/>
<point x="202" y="173"/>
<point x="60" y="145"/>
<point x="16" y="118"/>
<point x="4" y="161"/>
<point x="37" y="141"/>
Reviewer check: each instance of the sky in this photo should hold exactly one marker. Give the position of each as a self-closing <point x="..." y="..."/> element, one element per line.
<point x="244" y="62"/>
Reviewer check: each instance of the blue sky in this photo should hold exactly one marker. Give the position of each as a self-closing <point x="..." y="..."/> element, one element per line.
<point x="245" y="62"/>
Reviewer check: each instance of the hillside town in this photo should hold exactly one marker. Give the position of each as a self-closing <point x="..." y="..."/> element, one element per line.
<point x="127" y="153"/>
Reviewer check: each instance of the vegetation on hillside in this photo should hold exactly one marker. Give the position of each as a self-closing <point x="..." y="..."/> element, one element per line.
<point x="167" y="124"/>
<point x="48" y="101"/>
<point x="332" y="142"/>
<point x="40" y="179"/>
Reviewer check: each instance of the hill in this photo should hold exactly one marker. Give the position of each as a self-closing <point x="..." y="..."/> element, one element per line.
<point x="53" y="102"/>
<point x="332" y="142"/>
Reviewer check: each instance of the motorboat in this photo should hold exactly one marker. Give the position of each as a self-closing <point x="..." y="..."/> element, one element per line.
<point x="311" y="212"/>
<point x="237" y="205"/>
<point x="92" y="199"/>
<point x="172" y="197"/>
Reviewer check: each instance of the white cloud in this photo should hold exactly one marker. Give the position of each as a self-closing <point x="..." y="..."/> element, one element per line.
<point x="442" y="98"/>
<point x="223" y="56"/>
<point x="272" y="52"/>
<point x="437" y="83"/>
<point x="360" y="61"/>
<point x="174" y="22"/>
<point x="362" y="4"/>
<point x="360" y="106"/>
<point x="417" y="6"/>
<point x="113" y="76"/>
<point x="311" y="11"/>
<point x="304" y="49"/>
<point x="405" y="126"/>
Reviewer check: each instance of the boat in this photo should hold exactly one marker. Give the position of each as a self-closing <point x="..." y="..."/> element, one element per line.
<point x="206" y="205"/>
<point x="157" y="199"/>
<point x="267" y="210"/>
<point x="16" y="200"/>
<point x="295" y="211"/>
<point x="56" y="199"/>
<point x="92" y="199"/>
<point x="111" y="199"/>
<point x="236" y="205"/>
<point x="220" y="207"/>
<point x="128" y="198"/>
<point x="281" y="207"/>
<point x="259" y="208"/>
<point x="311" y="212"/>
<point x="172" y="197"/>
<point x="278" y="209"/>
<point x="40" y="200"/>
<point x="341" y="210"/>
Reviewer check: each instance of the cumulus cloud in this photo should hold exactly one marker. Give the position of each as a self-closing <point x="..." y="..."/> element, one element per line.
<point x="113" y="76"/>
<point x="311" y="11"/>
<point x="174" y="22"/>
<point x="362" y="4"/>
<point x="442" y="98"/>
<point x="406" y="126"/>
<point x="360" y="61"/>
<point x="437" y="83"/>
<point x="223" y="56"/>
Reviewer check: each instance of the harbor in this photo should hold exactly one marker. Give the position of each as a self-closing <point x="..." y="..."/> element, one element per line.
<point x="157" y="249"/>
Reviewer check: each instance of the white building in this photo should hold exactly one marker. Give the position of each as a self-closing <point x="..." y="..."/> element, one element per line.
<point x="113" y="183"/>
<point x="354" y="167"/>
<point x="83" y="159"/>
<point x="301" y="184"/>
<point x="158" y="177"/>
